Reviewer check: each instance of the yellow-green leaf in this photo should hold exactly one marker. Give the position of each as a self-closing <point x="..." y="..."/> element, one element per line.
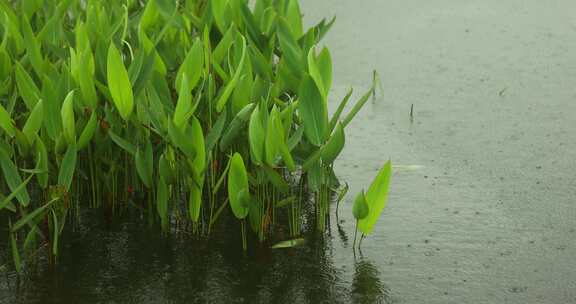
<point x="6" y="122"/>
<point x="88" y="131"/>
<point x="184" y="107"/>
<point x="229" y="88"/>
<point x="256" y="136"/>
<point x="192" y="65"/>
<point x="41" y="162"/>
<point x="145" y="164"/>
<point x="67" y="167"/>
<point x="334" y="146"/>
<point x="313" y="111"/>
<point x="376" y="198"/>
<point x="360" y="209"/>
<point x="68" y="120"/>
<point x="26" y="86"/>
<point x="13" y="179"/>
<point x="34" y="122"/>
<point x="119" y="83"/>
<point x="237" y="183"/>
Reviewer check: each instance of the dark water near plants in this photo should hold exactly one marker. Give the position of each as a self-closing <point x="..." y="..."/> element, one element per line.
<point x="482" y="208"/>
<point x="129" y="262"/>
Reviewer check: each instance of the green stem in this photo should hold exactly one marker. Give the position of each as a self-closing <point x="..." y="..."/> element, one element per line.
<point x="355" y="233"/>
<point x="244" y="245"/>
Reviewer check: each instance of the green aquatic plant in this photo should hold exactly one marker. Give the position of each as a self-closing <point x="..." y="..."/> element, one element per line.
<point x="182" y="110"/>
<point x="369" y="206"/>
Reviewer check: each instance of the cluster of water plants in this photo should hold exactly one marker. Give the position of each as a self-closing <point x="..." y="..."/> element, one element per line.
<point x="190" y="111"/>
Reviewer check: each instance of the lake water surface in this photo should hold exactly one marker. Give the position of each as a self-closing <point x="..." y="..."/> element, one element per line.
<point x="483" y="199"/>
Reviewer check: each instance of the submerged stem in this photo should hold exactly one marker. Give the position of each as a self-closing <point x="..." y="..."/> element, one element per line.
<point x="244" y="246"/>
<point x="355" y="234"/>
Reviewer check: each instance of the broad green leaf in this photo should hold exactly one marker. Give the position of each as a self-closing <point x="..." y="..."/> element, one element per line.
<point x="221" y="13"/>
<point x="148" y="45"/>
<point x="241" y="94"/>
<point x="289" y="243"/>
<point x="276" y="179"/>
<point x="291" y="51"/>
<point x="41" y="162"/>
<point x="236" y="126"/>
<point x="22" y="142"/>
<point x="88" y="131"/>
<point x="13" y="179"/>
<point x="268" y="20"/>
<point x="52" y="99"/>
<point x="31" y="216"/>
<point x="223" y="46"/>
<point x="198" y="165"/>
<point x="357" y="107"/>
<point x="12" y="25"/>
<point x="295" y="139"/>
<point x="192" y="66"/>
<point x="320" y="69"/>
<point x="341" y="106"/>
<point x="29" y="7"/>
<point x="26" y="86"/>
<point x="149" y="15"/>
<point x="68" y="120"/>
<point x="276" y="143"/>
<point x="5" y="71"/>
<point x="51" y="32"/>
<point x="6" y="122"/>
<point x="262" y="65"/>
<point x="324" y="66"/>
<point x="135" y="67"/>
<point x="237" y="182"/>
<point x="155" y="109"/>
<point x="181" y="139"/>
<point x="287" y="117"/>
<point x="294" y="18"/>
<point x="360" y="209"/>
<point x="83" y="45"/>
<point x="15" y="253"/>
<point x="320" y="29"/>
<point x="197" y="138"/>
<point x="376" y="197"/>
<point x="122" y="143"/>
<point x="251" y="24"/>
<point x="228" y="89"/>
<point x="119" y="83"/>
<point x="313" y="112"/>
<point x="162" y="196"/>
<point x="34" y="122"/>
<point x="334" y="146"/>
<point x="145" y="73"/>
<point x="86" y="80"/>
<point x="67" y="167"/>
<point x="315" y="176"/>
<point x="166" y="169"/>
<point x="184" y="107"/>
<point x="6" y="202"/>
<point x="272" y="145"/>
<point x="216" y="131"/>
<point x="32" y="47"/>
<point x="256" y="136"/>
<point x="195" y="202"/>
<point x="145" y="164"/>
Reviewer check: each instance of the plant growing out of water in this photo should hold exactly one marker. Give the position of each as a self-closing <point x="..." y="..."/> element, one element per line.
<point x="179" y="109"/>
<point x="368" y="206"/>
